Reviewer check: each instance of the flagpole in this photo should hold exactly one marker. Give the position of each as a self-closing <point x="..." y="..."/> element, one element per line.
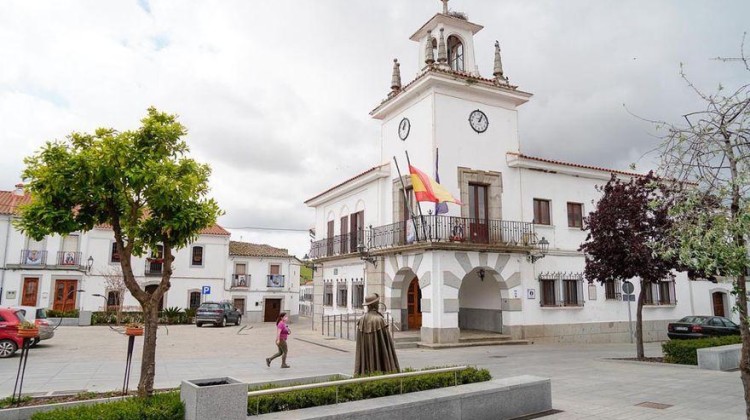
<point x="406" y="200"/>
<point x="419" y="206"/>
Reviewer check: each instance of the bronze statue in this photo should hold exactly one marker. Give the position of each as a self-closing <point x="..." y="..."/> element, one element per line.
<point x="375" y="349"/>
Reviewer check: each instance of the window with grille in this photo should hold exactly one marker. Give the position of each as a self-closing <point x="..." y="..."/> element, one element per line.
<point x="114" y="256"/>
<point x="195" y="300"/>
<point x="561" y="289"/>
<point x="341" y="294"/>
<point x="328" y="295"/>
<point x="358" y="295"/>
<point x="196" y="259"/>
<point x="113" y="299"/>
<point x="541" y="212"/>
<point x="660" y="293"/>
<point x="612" y="290"/>
<point x="548" y="292"/>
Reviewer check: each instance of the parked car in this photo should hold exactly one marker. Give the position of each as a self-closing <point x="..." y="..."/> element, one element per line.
<point x="699" y="326"/>
<point x="39" y="317"/>
<point x="10" y="342"/>
<point x="217" y="313"/>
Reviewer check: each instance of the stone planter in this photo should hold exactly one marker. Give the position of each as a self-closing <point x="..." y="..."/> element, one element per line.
<point x="214" y="398"/>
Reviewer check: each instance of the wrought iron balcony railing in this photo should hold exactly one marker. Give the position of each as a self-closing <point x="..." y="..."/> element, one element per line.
<point x="33" y="257"/>
<point x="69" y="258"/>
<point x="275" y="280"/>
<point x="240" y="280"/>
<point x="431" y="229"/>
<point x="154" y="267"/>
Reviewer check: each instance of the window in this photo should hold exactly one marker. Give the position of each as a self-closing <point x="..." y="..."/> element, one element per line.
<point x="612" y="290"/>
<point x="344" y="243"/>
<point x="196" y="259"/>
<point x="114" y="256"/>
<point x="329" y="239"/>
<point x="328" y="295"/>
<point x="341" y="296"/>
<point x="548" y="292"/>
<point x="572" y="292"/>
<point x="113" y="299"/>
<point x="575" y="215"/>
<point x="455" y="53"/>
<point x="195" y="299"/>
<point x="661" y="293"/>
<point x="541" y="212"/>
<point x="357" y="232"/>
<point x="358" y="295"/>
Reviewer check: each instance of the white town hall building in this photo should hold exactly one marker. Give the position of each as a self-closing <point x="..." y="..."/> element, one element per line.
<point x="481" y="265"/>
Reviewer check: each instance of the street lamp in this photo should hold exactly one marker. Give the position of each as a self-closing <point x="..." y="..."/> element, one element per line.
<point x="543" y="246"/>
<point x="364" y="255"/>
<point x="89" y="264"/>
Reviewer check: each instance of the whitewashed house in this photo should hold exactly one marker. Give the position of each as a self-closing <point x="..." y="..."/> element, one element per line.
<point x="263" y="281"/>
<point x="481" y="265"/>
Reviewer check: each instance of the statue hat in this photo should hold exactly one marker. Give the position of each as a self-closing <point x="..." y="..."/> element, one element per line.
<point x="372" y="299"/>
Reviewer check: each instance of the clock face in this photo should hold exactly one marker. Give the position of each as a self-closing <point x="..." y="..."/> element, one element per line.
<point x="403" y="129"/>
<point x="478" y="121"/>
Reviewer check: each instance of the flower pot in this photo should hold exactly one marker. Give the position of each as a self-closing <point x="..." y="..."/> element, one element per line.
<point x="28" y="333"/>
<point x="133" y="331"/>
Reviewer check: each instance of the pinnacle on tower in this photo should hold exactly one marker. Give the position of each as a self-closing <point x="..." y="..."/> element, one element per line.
<point x="429" y="56"/>
<point x="396" y="78"/>
<point x="498" y="70"/>
<point x="442" y="53"/>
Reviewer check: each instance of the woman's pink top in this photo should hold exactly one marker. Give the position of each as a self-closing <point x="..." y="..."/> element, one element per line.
<point x="283" y="332"/>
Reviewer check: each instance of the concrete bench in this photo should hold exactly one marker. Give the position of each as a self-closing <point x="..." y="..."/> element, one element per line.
<point x="720" y="358"/>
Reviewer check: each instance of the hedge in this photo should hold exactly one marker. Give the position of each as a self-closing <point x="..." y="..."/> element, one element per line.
<point x="294" y="400"/>
<point x="165" y="406"/>
<point x="685" y="352"/>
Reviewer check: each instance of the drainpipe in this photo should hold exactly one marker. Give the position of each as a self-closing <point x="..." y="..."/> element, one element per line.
<point x="5" y="259"/>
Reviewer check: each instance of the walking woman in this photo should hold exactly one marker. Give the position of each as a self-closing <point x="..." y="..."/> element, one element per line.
<point x="282" y="332"/>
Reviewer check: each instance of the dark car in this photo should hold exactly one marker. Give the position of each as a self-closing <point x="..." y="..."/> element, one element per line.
<point x="10" y="342"/>
<point x="217" y="313"/>
<point x="697" y="326"/>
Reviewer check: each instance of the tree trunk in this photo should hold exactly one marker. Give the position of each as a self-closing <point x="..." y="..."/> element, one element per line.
<point x="148" y="360"/>
<point x="639" y="353"/>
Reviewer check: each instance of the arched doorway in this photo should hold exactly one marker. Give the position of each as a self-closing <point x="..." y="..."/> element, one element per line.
<point x="150" y="290"/>
<point x="718" y="300"/>
<point x="414" y="305"/>
<point x="479" y="301"/>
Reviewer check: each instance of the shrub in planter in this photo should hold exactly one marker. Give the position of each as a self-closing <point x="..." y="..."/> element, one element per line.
<point x="685" y="352"/>
<point x="51" y="313"/>
<point x="354" y="392"/>
<point x="166" y="406"/>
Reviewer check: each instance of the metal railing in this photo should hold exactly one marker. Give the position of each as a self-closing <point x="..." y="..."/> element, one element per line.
<point x="240" y="280"/>
<point x="154" y="267"/>
<point x="275" y="280"/>
<point x="68" y="258"/>
<point x="431" y="228"/>
<point x="336" y="384"/>
<point x="345" y="325"/>
<point x="33" y="257"/>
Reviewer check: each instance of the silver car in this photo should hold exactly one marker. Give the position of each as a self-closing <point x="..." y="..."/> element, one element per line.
<point x="217" y="313"/>
<point x="39" y="317"/>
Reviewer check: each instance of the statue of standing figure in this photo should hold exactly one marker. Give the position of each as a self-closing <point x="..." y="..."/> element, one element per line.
<point x="375" y="349"/>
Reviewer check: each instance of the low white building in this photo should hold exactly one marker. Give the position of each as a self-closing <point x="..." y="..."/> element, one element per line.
<point x="478" y="266"/>
<point x="263" y="280"/>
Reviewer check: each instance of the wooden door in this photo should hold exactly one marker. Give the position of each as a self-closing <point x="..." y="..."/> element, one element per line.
<point x="329" y="239"/>
<point x="65" y="295"/>
<point x="30" y="291"/>
<point x="239" y="304"/>
<point x="414" y="305"/>
<point x="478" y="224"/>
<point x="718" y="300"/>
<point x="272" y="310"/>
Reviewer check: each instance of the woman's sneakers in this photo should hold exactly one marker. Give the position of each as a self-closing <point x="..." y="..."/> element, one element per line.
<point x="268" y="362"/>
<point x="285" y="366"/>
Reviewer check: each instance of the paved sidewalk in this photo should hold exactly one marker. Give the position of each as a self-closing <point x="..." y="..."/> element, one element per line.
<point x="585" y="384"/>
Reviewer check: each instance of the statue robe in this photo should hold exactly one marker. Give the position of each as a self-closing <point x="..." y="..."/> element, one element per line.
<point x="375" y="349"/>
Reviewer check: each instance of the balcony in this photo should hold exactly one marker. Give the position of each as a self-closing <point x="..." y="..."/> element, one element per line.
<point x="154" y="267"/>
<point x="33" y="257"/>
<point x="69" y="258"/>
<point x="430" y="229"/>
<point x="275" y="280"/>
<point x="240" y="281"/>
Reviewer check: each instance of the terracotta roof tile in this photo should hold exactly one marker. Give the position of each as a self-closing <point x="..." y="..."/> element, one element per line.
<point x="575" y="165"/>
<point x="247" y="249"/>
<point x="9" y="202"/>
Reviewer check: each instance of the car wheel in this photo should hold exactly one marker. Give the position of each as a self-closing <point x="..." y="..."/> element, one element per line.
<point x="223" y="322"/>
<point x="198" y="324"/>
<point x="34" y="342"/>
<point x="239" y="319"/>
<point x="7" y="348"/>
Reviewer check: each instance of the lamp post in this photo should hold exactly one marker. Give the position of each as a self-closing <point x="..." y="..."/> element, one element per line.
<point x="89" y="264"/>
<point x="543" y="248"/>
<point x="364" y="255"/>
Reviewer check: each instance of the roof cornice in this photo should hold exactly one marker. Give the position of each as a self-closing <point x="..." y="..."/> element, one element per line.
<point x="381" y="171"/>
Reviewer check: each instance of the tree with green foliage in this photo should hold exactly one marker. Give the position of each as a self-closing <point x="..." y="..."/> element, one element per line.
<point x="139" y="182"/>
<point x="710" y="152"/>
<point x="627" y="224"/>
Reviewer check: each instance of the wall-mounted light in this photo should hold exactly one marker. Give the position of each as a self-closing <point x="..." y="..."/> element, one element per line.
<point x="309" y="263"/>
<point x="481" y="274"/>
<point x="89" y="264"/>
<point x="543" y="247"/>
<point x="364" y="255"/>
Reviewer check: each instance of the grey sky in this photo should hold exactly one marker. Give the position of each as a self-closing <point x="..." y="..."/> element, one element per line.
<point x="276" y="94"/>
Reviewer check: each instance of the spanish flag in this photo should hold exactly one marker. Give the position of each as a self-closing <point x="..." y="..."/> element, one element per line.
<point x="426" y="189"/>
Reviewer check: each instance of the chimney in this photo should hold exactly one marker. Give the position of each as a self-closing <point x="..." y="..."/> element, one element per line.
<point x="19" y="190"/>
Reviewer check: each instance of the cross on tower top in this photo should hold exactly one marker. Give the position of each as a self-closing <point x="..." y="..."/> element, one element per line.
<point x="445" y="6"/>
